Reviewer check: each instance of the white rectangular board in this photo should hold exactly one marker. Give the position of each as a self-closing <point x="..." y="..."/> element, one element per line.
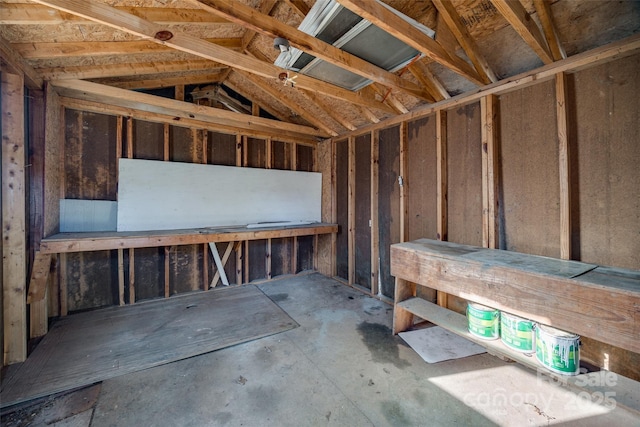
<point x="77" y="215"/>
<point x="156" y="195"/>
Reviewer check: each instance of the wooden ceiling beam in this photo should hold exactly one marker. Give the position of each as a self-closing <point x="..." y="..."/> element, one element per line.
<point x="8" y="56"/>
<point x="123" y="21"/>
<point x="331" y="112"/>
<point x="161" y="82"/>
<point x="379" y="15"/>
<point x="460" y="32"/>
<point x="429" y="80"/>
<point x="265" y="7"/>
<point x="110" y="109"/>
<point x="289" y="103"/>
<point x="35" y="14"/>
<point x="548" y="27"/>
<point x="89" y="91"/>
<point x="264" y="24"/>
<point x="242" y="91"/>
<point x="47" y="50"/>
<point x="518" y="17"/>
<point x="388" y="97"/>
<point x="299" y="6"/>
<point x="126" y="69"/>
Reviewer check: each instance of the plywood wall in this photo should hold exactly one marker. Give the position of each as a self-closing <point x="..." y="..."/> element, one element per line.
<point x="90" y="145"/>
<point x="603" y="128"/>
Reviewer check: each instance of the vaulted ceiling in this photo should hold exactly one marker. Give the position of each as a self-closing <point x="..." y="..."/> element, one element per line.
<point x="221" y="52"/>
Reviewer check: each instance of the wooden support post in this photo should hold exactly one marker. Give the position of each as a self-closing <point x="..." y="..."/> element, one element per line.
<point x="205" y="267"/>
<point x="14" y="243"/>
<point x="352" y="209"/>
<point x="239" y="264"/>
<point x="119" y="128"/>
<point x="490" y="137"/>
<point x="268" y="165"/>
<point x="179" y="92"/>
<point x="129" y="137"/>
<point x="121" y="277"/>
<point x="37" y="297"/>
<point x="238" y="150"/>
<point x="564" y="165"/>
<point x="167" y="271"/>
<point x="401" y="182"/>
<point x="315" y="252"/>
<point x="402" y="319"/>
<point x="375" y="232"/>
<point x="205" y="146"/>
<point x="441" y="149"/>
<point x="334" y="211"/>
<point x="294" y="251"/>
<point x="62" y="280"/>
<point x="166" y="139"/>
<point x="246" y="261"/>
<point x="132" y="277"/>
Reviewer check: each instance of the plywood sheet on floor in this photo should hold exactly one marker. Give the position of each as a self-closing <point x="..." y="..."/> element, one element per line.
<point x="90" y="347"/>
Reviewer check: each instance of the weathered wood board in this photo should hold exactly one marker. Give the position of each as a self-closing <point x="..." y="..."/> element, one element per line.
<point x="342" y="209"/>
<point x="550" y="291"/>
<point x="388" y="203"/>
<point x="530" y="209"/>
<point x="363" y="211"/>
<point x="170" y="195"/>
<point x="89" y="347"/>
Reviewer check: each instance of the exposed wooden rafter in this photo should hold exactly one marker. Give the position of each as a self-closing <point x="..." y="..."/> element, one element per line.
<point x="388" y="97"/>
<point x="289" y="103"/>
<point x="429" y="80"/>
<point x="265" y="7"/>
<point x="382" y="17"/>
<point x="35" y="14"/>
<point x="335" y="115"/>
<point x="521" y="21"/>
<point x="460" y="32"/>
<point x="115" y="18"/>
<point x="9" y="57"/>
<point x="160" y="82"/>
<point x="127" y="69"/>
<point x="299" y="6"/>
<point x="268" y="108"/>
<point x="264" y="24"/>
<point x="80" y="89"/>
<point x="47" y="50"/>
<point x="551" y="34"/>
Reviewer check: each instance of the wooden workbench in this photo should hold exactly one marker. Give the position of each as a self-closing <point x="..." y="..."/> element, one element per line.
<point x="107" y="240"/>
<point x="599" y="302"/>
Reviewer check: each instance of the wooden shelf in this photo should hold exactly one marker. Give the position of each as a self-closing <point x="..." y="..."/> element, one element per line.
<point x="108" y="240"/>
<point x="457" y="323"/>
<point x="588" y="300"/>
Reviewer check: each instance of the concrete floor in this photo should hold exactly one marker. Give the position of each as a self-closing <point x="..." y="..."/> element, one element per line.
<point x="341" y="367"/>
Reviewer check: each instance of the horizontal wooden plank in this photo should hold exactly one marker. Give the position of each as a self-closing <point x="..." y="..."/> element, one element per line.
<point x="568" y="303"/>
<point x="81" y="242"/>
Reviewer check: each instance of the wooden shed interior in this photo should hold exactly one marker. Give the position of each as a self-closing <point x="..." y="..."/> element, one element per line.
<point x="513" y="125"/>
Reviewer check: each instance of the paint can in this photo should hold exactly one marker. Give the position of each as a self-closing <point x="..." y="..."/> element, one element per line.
<point x="483" y="322"/>
<point x="557" y="350"/>
<point x="517" y="333"/>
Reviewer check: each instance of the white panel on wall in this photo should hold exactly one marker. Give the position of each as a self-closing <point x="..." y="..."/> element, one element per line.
<point x="156" y="195"/>
<point x="87" y="215"/>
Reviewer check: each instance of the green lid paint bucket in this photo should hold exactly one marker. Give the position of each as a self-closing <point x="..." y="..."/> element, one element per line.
<point x="483" y="322"/>
<point x="517" y="333"/>
<point x="557" y="350"/>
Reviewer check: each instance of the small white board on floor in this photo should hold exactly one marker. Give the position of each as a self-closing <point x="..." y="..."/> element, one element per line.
<point x="436" y="344"/>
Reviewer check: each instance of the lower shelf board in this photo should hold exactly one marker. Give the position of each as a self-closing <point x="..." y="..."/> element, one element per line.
<point x="625" y="389"/>
<point x="457" y="323"/>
